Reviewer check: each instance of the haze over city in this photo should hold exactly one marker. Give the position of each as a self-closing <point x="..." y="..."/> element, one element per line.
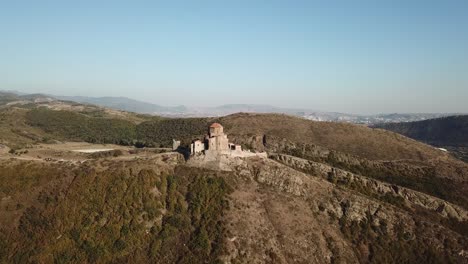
<point x="355" y="57"/>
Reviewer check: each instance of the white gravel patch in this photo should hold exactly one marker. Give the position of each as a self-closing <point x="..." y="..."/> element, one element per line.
<point x="91" y="150"/>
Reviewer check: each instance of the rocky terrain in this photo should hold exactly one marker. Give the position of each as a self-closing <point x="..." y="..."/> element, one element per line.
<point x="235" y="210"/>
<point x="327" y="193"/>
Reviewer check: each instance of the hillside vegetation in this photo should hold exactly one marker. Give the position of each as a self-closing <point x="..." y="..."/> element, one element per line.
<point x="356" y="140"/>
<point x="375" y="153"/>
<point x="124" y="213"/>
<point x="334" y="193"/>
<point x="94" y="128"/>
<point x="446" y="131"/>
<point x="164" y="210"/>
<point x="69" y="125"/>
<point x="16" y="132"/>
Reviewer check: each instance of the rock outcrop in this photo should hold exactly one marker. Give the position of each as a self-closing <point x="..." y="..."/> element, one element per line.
<point x="279" y="214"/>
<point x="373" y="187"/>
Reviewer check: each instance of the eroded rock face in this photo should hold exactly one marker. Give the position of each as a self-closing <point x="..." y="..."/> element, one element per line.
<point x="375" y="187"/>
<point x="271" y="221"/>
<point x="281" y="215"/>
<point x="442" y="176"/>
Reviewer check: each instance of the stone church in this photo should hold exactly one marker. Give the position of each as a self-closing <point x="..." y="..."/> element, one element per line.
<point x="215" y="141"/>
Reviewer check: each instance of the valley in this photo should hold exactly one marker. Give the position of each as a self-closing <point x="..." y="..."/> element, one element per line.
<point x="449" y="133"/>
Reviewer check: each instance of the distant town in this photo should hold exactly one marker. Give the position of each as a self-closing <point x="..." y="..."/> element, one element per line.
<point x="132" y="105"/>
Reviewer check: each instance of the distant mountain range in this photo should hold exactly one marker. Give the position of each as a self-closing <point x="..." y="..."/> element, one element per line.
<point x="132" y="105"/>
<point x="125" y="104"/>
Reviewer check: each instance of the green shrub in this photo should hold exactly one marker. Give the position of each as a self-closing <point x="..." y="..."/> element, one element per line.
<point x="383" y="247"/>
<point x="74" y="126"/>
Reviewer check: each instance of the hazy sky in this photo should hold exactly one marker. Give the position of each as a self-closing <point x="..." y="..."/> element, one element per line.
<point x="348" y="56"/>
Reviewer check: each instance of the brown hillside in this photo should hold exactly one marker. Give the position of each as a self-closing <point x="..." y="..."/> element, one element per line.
<point x="166" y="210"/>
<point x="373" y="144"/>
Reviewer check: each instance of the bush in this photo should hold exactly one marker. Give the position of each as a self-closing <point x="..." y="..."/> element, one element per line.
<point x="158" y="132"/>
<point x="384" y="247"/>
<point x="161" y="132"/>
<point x="74" y="126"/>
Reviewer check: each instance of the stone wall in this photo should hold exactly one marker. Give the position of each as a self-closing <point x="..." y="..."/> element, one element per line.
<point x="197" y="147"/>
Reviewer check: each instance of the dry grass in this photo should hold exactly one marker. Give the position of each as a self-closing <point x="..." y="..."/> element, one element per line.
<point x="357" y="140"/>
<point x="14" y="131"/>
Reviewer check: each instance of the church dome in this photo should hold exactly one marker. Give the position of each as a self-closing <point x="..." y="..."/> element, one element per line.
<point x="216" y="125"/>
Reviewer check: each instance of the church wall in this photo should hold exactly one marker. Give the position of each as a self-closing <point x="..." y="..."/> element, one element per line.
<point x="218" y="142"/>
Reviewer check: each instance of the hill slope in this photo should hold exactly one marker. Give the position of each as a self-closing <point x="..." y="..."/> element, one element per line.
<point x="348" y="138"/>
<point x="376" y="153"/>
<point x="446" y="131"/>
<point x="449" y="132"/>
<point x="123" y="103"/>
<point x="166" y="210"/>
<point x="374" y="144"/>
<point x="329" y="192"/>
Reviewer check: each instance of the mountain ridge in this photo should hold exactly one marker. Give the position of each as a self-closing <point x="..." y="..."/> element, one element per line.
<point x="449" y="133"/>
<point x="137" y="106"/>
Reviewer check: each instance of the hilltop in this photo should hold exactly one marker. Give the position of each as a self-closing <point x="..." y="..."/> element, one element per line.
<point x="333" y="192"/>
<point x="54" y="116"/>
<point x="348" y="138"/>
<point x="384" y="155"/>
